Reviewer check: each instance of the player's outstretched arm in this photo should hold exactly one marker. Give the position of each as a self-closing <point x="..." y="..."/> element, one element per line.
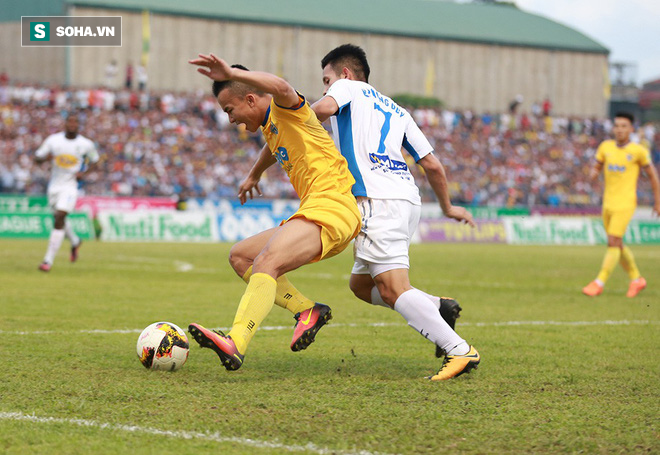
<point x="43" y="153"/>
<point x="217" y="69"/>
<point x="251" y="182"/>
<point x="649" y="169"/>
<point x="325" y="108"/>
<point x="435" y="173"/>
<point x="595" y="171"/>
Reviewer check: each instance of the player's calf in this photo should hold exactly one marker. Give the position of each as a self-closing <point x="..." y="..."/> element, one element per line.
<point x="450" y="310"/>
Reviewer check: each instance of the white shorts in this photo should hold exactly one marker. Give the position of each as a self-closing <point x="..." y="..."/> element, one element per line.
<point x="387" y="227"/>
<point x="63" y="198"/>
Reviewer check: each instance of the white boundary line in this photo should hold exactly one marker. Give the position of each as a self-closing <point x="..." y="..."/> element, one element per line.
<point x="373" y="324"/>
<point x="204" y="436"/>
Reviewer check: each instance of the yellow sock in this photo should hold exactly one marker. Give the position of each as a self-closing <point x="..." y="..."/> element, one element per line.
<point x="609" y="262"/>
<point x="255" y="305"/>
<point x="286" y="295"/>
<point x="628" y="263"/>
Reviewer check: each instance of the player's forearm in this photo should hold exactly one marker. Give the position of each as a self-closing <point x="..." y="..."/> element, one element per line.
<point x="265" y="160"/>
<point x="40" y="159"/>
<point x="655" y="183"/>
<point x="325" y="108"/>
<point x="435" y="174"/>
<point x="91" y="167"/>
<point x="283" y="93"/>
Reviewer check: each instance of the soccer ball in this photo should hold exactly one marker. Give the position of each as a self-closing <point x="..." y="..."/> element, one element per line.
<point x="163" y="346"/>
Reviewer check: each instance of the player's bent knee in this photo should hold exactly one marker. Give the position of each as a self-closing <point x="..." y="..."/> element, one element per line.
<point x="267" y="262"/>
<point x="238" y="260"/>
<point x="59" y="220"/>
<point x="614" y="242"/>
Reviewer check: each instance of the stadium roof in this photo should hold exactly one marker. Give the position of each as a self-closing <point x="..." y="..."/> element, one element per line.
<point x="494" y="23"/>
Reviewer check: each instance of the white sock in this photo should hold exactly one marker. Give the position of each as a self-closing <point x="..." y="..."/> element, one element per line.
<point x="422" y="315"/>
<point x="434" y="298"/>
<point x="54" y="244"/>
<point x="376" y="299"/>
<point x="68" y="231"/>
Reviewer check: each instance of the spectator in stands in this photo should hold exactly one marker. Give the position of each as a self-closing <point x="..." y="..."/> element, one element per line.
<point x="547" y="106"/>
<point x="142" y="78"/>
<point x="129" y="76"/>
<point x="111" y="74"/>
<point x="513" y="105"/>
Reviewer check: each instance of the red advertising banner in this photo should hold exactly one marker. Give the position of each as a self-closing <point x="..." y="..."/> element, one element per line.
<point x="94" y="204"/>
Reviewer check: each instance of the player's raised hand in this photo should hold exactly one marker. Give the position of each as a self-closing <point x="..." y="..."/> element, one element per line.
<point x="212" y="67"/>
<point x="460" y="214"/>
<point x="245" y="190"/>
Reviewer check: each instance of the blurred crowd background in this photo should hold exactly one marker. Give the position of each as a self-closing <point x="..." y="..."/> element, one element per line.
<point x="182" y="145"/>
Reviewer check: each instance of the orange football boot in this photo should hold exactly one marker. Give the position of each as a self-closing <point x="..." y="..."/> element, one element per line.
<point x="636" y="286"/>
<point x="592" y="289"/>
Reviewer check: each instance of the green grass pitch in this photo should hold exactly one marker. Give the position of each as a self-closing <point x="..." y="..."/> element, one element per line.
<point x="560" y="372"/>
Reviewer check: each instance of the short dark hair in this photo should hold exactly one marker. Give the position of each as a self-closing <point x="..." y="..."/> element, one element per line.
<point x="238" y="87"/>
<point x="350" y="56"/>
<point x="627" y="115"/>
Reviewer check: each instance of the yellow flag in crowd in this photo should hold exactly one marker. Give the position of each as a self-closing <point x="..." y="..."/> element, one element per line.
<point x="607" y="87"/>
<point x="429" y="83"/>
<point x="146" y="38"/>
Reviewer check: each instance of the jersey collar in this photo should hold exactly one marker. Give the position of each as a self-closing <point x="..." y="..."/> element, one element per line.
<point x="266" y="117"/>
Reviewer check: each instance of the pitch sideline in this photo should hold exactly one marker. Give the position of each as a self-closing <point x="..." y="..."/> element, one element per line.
<point x="372" y="324"/>
<point x="204" y="436"/>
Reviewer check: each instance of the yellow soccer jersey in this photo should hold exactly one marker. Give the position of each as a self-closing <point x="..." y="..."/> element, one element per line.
<point x="621" y="167"/>
<point x="305" y="150"/>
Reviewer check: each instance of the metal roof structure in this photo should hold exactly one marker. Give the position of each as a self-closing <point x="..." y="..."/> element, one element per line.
<point x="489" y="23"/>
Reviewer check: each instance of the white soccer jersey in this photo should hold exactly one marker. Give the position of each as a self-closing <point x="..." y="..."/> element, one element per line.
<point x="370" y="130"/>
<point x="68" y="157"/>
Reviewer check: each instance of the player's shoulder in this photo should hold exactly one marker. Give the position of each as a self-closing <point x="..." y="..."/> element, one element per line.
<point x="607" y="143"/>
<point x="349" y="85"/>
<point x="56" y="136"/>
<point x="85" y="140"/>
<point x="637" y="147"/>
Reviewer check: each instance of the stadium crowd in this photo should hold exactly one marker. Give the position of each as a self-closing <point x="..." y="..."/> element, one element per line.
<point x="166" y="144"/>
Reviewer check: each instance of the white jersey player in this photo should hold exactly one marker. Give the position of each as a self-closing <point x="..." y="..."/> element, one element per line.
<point x="371" y="130"/>
<point x="71" y="155"/>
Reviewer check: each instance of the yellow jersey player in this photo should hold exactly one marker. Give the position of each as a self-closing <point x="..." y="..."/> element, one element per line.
<point x="621" y="160"/>
<point x="327" y="220"/>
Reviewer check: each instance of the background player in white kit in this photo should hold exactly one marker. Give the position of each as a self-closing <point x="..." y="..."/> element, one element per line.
<point x="68" y="152"/>
<point x="370" y="130"/>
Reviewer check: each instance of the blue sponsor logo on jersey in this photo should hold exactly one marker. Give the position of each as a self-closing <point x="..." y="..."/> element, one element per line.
<point x="616" y="168"/>
<point x="282" y="157"/>
<point x="387" y="162"/>
<point x="273" y="129"/>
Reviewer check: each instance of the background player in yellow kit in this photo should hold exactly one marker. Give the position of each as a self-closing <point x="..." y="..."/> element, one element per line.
<point x="621" y="161"/>
<point x="328" y="217"/>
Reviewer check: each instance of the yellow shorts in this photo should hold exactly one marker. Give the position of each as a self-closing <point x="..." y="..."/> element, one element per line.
<point x="616" y="221"/>
<point x="338" y="216"/>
